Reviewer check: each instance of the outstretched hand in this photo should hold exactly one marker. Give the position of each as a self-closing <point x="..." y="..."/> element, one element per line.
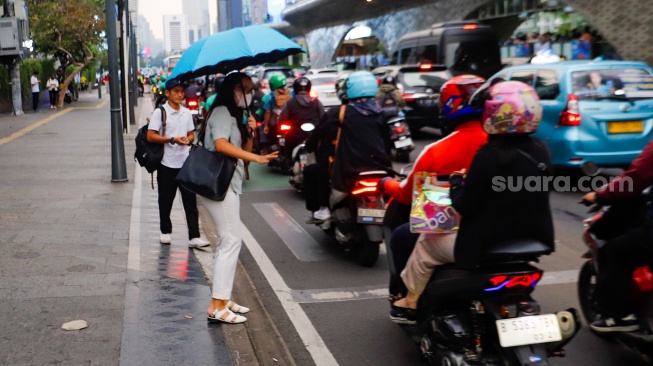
<point x="264" y="159"/>
<point x="462" y="172"/>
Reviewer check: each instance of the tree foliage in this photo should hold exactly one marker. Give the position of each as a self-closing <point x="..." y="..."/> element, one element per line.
<point x="71" y="31"/>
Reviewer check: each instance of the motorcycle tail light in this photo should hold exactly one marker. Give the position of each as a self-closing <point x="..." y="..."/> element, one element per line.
<point x="408" y="97"/>
<point x="501" y="282"/>
<point x="365" y="186"/>
<point x="643" y="279"/>
<point x="399" y="130"/>
<point x="313" y="94"/>
<point x="192" y="104"/>
<point x="284" y="127"/>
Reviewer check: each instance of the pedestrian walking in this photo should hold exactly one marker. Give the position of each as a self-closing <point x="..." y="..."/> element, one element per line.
<point x="178" y="135"/>
<point x="227" y="134"/>
<point x="36" y="90"/>
<point x="53" y="86"/>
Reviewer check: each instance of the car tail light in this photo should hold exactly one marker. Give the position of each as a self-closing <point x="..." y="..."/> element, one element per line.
<point x="470" y="26"/>
<point x="313" y="94"/>
<point x="408" y="97"/>
<point x="399" y="130"/>
<point x="285" y="127"/>
<point x="425" y="66"/>
<point x="571" y="115"/>
<point x="519" y="281"/>
<point x="365" y="186"/>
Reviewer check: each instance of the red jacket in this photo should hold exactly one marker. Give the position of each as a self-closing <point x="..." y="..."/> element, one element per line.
<point x="632" y="182"/>
<point x="443" y="157"/>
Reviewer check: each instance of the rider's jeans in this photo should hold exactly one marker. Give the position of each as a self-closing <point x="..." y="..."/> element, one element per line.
<point x="617" y="261"/>
<point x="431" y="250"/>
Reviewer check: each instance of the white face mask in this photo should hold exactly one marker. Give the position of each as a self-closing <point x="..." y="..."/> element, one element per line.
<point x="240" y="100"/>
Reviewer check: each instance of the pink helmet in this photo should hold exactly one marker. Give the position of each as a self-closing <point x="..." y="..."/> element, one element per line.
<point x="511" y="107"/>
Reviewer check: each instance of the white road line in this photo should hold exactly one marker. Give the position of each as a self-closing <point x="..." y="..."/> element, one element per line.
<point x="376" y="292"/>
<point x="307" y="332"/>
<point x="300" y="243"/>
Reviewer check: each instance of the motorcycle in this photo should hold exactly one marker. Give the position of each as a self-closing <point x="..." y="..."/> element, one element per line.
<point x="287" y="140"/>
<point x="595" y="235"/>
<point x="196" y="109"/>
<point x="401" y="143"/>
<point x="356" y="218"/>
<point x="485" y="316"/>
<point x="301" y="158"/>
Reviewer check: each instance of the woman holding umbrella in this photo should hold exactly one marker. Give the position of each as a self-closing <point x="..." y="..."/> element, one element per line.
<point x="229" y="132"/>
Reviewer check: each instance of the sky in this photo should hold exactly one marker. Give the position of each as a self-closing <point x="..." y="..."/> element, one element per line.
<point x="154" y="10"/>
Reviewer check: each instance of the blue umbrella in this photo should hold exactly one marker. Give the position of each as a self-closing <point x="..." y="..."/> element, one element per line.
<point x="233" y="50"/>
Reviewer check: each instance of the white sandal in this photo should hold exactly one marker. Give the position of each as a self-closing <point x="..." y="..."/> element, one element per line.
<point x="231" y="318"/>
<point x="237" y="308"/>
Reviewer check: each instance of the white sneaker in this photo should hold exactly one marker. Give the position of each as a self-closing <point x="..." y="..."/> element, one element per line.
<point x="322" y="214"/>
<point x="165" y="239"/>
<point x="198" y="243"/>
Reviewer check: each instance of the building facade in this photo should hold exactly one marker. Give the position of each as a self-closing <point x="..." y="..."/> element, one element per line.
<point x="197" y="16"/>
<point x="175" y="33"/>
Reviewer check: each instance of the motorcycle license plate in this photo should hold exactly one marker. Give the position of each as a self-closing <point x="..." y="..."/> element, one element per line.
<point x="403" y="143"/>
<point x="528" y="330"/>
<point x="194" y="111"/>
<point x="370" y="215"/>
<point x="303" y="158"/>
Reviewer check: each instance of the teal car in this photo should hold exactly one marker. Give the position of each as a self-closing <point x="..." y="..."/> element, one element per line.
<point x="594" y="111"/>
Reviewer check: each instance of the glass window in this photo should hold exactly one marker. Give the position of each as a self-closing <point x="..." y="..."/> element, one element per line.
<point x="525" y="76"/>
<point x="633" y="82"/>
<point x="323" y="80"/>
<point x="547" y="84"/>
<point x="426" y="54"/>
<point x="479" y="57"/>
<point x="405" y="56"/>
<point x="432" y="79"/>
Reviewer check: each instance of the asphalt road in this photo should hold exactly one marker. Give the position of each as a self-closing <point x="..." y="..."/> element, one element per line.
<point x="332" y="311"/>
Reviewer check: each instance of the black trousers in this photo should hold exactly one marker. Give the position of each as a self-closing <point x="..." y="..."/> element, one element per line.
<point x="402" y="244"/>
<point x="53" y="97"/>
<point x="35" y="101"/>
<point x="617" y="261"/>
<point x="165" y="179"/>
<point x="316" y="186"/>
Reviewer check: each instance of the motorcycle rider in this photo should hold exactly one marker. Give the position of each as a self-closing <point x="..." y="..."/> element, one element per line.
<point x="389" y="97"/>
<point x="491" y="215"/>
<point x="362" y="136"/>
<point x="322" y="142"/>
<point x="619" y="257"/>
<point x="300" y="109"/>
<point x="454" y="151"/>
<point x="272" y="107"/>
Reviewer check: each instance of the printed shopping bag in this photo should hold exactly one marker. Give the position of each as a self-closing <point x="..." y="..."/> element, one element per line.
<point x="431" y="210"/>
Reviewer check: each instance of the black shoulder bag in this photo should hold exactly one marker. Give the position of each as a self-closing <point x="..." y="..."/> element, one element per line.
<point x="207" y="173"/>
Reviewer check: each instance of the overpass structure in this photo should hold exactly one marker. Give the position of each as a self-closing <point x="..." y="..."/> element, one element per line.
<point x="626" y="24"/>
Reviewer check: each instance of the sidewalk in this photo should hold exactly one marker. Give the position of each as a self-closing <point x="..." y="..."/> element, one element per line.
<point x="76" y="246"/>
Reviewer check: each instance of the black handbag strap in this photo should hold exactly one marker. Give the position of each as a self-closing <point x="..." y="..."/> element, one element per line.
<point x="541" y="166"/>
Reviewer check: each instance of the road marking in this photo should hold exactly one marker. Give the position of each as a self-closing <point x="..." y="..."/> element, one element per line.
<point x="376" y="292"/>
<point x="300" y="243"/>
<point x="40" y="123"/>
<point x="307" y="332"/>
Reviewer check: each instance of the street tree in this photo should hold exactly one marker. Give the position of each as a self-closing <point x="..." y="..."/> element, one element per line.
<point x="71" y="31"/>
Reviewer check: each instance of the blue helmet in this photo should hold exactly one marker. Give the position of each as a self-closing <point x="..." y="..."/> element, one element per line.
<point x="361" y="84"/>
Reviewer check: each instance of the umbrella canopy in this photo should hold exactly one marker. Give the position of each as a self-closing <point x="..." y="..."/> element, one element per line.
<point x="233" y="50"/>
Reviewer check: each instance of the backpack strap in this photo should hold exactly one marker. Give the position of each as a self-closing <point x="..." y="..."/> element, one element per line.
<point x="541" y="166"/>
<point x="341" y="121"/>
<point x="163" y="120"/>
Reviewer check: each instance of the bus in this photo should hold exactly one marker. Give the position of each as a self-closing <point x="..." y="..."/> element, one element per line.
<point x="463" y="47"/>
<point x="169" y="63"/>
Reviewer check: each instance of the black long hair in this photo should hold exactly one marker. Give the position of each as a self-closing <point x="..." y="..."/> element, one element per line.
<point x="507" y="147"/>
<point x="226" y="98"/>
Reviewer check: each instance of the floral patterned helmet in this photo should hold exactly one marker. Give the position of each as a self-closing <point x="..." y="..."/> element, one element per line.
<point x="511" y="107"/>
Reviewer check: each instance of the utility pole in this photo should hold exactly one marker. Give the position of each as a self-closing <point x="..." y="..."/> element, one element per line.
<point x="14" y="66"/>
<point x="118" y="165"/>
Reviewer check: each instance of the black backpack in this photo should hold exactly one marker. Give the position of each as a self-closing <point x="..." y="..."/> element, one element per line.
<point x="389" y="105"/>
<point x="149" y="154"/>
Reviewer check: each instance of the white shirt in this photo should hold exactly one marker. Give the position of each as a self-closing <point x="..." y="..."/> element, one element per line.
<point x="35" y="84"/>
<point x="178" y="124"/>
<point x="53" y="84"/>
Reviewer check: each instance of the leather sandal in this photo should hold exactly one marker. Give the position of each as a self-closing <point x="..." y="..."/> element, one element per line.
<point x="231" y="318"/>
<point x="237" y="308"/>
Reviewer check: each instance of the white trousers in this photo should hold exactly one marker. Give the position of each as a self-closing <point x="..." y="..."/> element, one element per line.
<point x="226" y="218"/>
<point x="431" y="250"/>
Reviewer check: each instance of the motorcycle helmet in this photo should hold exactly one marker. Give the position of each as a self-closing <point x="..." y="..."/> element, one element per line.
<point x="454" y="101"/>
<point x="389" y="79"/>
<point x="163" y="78"/>
<point x="509" y="107"/>
<point x="361" y="84"/>
<point x="341" y="86"/>
<point x="301" y="84"/>
<point x="277" y="81"/>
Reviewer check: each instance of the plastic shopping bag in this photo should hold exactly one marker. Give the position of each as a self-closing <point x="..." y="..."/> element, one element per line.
<point x="431" y="210"/>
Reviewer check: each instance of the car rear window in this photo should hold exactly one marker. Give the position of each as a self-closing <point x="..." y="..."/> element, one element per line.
<point x="547" y="85"/>
<point x="323" y="79"/>
<point x="269" y="73"/>
<point x="632" y="82"/>
<point x="432" y="79"/>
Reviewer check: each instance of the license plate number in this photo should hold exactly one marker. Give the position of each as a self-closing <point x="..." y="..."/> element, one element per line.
<point x="528" y="330"/>
<point x="370" y="212"/>
<point x="427" y="102"/>
<point x="625" y="127"/>
<point x="403" y="143"/>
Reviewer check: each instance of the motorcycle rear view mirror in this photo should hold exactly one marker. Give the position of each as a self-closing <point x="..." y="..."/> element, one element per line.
<point x="307" y="127"/>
